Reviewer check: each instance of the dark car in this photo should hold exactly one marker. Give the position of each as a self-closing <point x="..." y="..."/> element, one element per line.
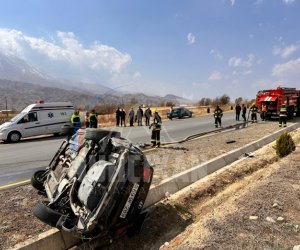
<point x="179" y="113"/>
<point x="95" y="186"/>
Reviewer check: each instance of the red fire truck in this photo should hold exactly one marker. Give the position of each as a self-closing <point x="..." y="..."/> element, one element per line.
<point x="274" y="98"/>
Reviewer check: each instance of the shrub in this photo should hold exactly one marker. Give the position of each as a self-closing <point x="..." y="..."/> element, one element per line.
<point x="284" y="145"/>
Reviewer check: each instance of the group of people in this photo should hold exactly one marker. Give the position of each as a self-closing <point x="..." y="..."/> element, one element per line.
<point x="90" y="120"/>
<point x="133" y="117"/>
<point x="254" y="110"/>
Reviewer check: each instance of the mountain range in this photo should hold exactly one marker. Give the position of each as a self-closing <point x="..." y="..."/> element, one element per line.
<point x="22" y="84"/>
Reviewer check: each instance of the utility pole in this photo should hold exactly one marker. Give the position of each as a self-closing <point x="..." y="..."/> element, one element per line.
<point x="6" y="106"/>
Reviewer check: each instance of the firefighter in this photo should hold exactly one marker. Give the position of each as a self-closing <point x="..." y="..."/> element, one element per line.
<point x="263" y="111"/>
<point x="75" y="121"/>
<point x="253" y="110"/>
<point x="218" y="113"/>
<point x="156" y="127"/>
<point x="282" y="115"/>
<point x="93" y="120"/>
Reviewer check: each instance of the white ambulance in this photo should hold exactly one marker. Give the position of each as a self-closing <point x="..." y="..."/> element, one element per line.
<point x="37" y="119"/>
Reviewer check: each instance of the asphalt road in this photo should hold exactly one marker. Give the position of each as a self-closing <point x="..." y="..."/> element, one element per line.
<point x="18" y="161"/>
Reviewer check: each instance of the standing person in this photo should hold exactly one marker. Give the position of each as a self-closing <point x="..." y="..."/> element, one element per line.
<point x="263" y="111"/>
<point x="218" y="113"/>
<point x="139" y="115"/>
<point x="131" y="117"/>
<point x="148" y="114"/>
<point x="87" y="119"/>
<point x="156" y="127"/>
<point x="238" y="109"/>
<point x="75" y="121"/>
<point x="244" y="111"/>
<point x="123" y="118"/>
<point x="282" y="115"/>
<point x="93" y="120"/>
<point x="254" y="110"/>
<point x="118" y="116"/>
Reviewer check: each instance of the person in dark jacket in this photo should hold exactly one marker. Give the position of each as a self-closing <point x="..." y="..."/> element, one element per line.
<point x="156" y="127"/>
<point x="131" y="117"/>
<point x="93" y="121"/>
<point x="118" y="116"/>
<point x="238" y="109"/>
<point x="123" y="118"/>
<point x="244" y="111"/>
<point x="148" y="114"/>
<point x="218" y="113"/>
<point x="139" y="116"/>
<point x="87" y="119"/>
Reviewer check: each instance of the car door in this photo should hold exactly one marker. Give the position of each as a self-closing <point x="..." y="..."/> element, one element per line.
<point x="30" y="125"/>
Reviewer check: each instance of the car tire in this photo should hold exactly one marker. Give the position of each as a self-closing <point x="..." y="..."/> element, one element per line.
<point x="38" y="178"/>
<point x="14" y="136"/>
<point x="46" y="214"/>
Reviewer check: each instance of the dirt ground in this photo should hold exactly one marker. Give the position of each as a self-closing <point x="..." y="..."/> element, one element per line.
<point x="252" y="204"/>
<point x="211" y="214"/>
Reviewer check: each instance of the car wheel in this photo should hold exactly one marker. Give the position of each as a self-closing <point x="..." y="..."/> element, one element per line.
<point x="67" y="129"/>
<point x="38" y="178"/>
<point x="46" y="214"/>
<point x="14" y="136"/>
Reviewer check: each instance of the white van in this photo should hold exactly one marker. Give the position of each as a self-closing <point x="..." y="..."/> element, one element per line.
<point x="37" y="119"/>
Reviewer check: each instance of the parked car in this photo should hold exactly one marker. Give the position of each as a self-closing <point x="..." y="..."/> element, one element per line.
<point x="179" y="113"/>
<point x="96" y="186"/>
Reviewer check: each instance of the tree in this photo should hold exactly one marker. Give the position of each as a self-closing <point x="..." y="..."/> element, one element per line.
<point x="205" y="101"/>
<point x="238" y="100"/>
<point x="224" y="99"/>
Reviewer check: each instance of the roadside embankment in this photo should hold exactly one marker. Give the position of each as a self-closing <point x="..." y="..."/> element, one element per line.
<point x="15" y="203"/>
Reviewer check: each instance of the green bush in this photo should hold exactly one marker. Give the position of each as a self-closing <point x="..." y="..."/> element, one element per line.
<point x="284" y="145"/>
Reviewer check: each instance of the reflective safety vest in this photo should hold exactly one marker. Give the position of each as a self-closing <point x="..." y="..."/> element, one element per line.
<point x="75" y="119"/>
<point x="218" y="113"/>
<point x="156" y="122"/>
<point x="264" y="108"/>
<point x="92" y="118"/>
<point x="283" y="112"/>
<point x="254" y="109"/>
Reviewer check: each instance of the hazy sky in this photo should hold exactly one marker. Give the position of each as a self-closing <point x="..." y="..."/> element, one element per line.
<point x="191" y="48"/>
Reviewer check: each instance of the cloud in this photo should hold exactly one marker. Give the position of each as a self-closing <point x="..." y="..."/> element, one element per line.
<point x="288" y="1"/>
<point x="239" y="62"/>
<point x="289" y="69"/>
<point x="232" y="2"/>
<point x="285" y="52"/>
<point x="191" y="38"/>
<point x="215" y="76"/>
<point x="66" y="48"/>
<point x="216" y="54"/>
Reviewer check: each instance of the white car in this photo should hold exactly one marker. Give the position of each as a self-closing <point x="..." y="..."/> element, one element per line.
<point x="37" y="119"/>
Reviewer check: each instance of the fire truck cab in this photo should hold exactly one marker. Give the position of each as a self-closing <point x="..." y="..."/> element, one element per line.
<point x="274" y="98"/>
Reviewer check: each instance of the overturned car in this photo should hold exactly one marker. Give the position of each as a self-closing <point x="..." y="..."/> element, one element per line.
<point x="96" y="185"/>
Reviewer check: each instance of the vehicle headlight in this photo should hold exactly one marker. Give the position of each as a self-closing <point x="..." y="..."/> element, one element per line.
<point x="3" y="129"/>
